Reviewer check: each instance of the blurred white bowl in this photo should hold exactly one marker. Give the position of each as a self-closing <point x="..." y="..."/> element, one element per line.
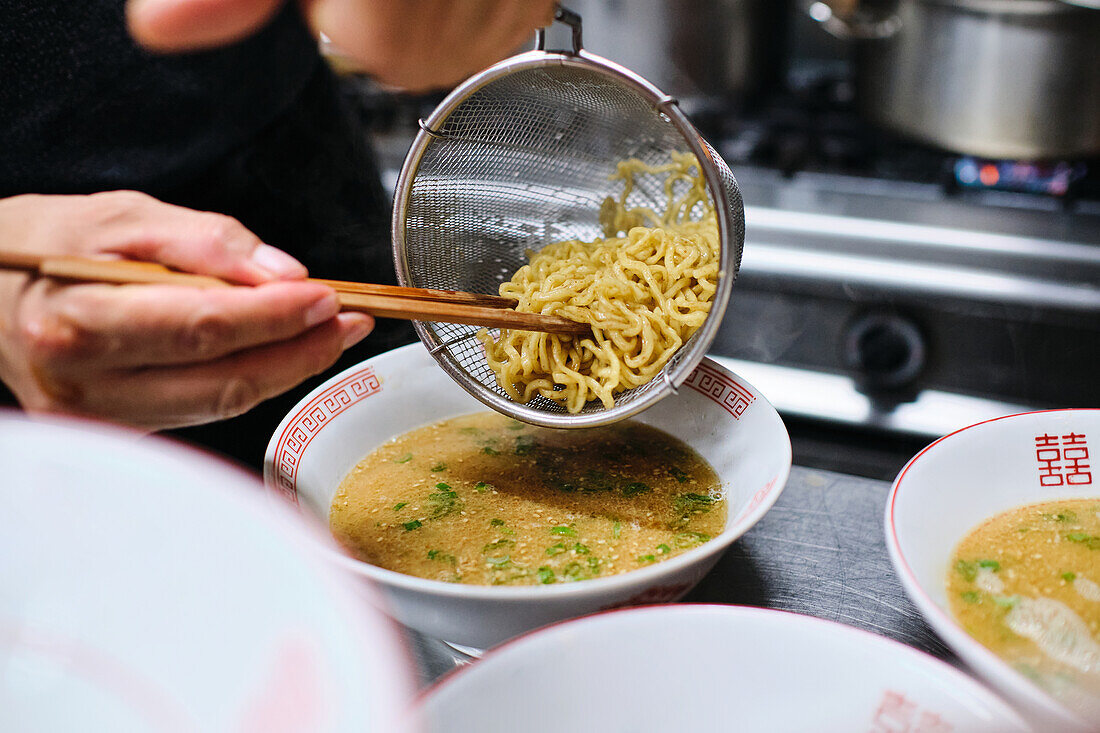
<point x="710" y="668"/>
<point x="148" y="586"/>
<point x="947" y="490"/>
<point x="715" y="412"/>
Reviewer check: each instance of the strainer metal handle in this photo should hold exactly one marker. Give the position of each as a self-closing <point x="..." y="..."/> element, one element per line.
<point x="569" y="18"/>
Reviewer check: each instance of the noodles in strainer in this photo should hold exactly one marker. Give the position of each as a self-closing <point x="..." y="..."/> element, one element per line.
<point x="644" y="288"/>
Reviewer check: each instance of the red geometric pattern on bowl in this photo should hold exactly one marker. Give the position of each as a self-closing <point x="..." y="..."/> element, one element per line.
<point x="757" y="498"/>
<point x="309" y="420"/>
<point x="721" y="389"/>
<point x="656" y="594"/>
<point x="897" y="714"/>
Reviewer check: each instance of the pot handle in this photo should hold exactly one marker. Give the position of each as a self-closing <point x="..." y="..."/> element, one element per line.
<point x="846" y="20"/>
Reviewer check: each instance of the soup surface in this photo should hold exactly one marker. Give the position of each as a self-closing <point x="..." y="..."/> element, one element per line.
<point x="483" y="499"/>
<point x="1025" y="584"/>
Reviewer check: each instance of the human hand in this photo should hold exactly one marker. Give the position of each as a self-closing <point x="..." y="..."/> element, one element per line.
<point x="158" y="356"/>
<point x="413" y="44"/>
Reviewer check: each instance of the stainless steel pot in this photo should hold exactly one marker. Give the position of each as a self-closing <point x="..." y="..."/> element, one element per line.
<point x="994" y="78"/>
<point x="695" y="50"/>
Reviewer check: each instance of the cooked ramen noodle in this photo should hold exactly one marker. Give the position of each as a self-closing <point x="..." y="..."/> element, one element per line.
<point x="645" y="288"/>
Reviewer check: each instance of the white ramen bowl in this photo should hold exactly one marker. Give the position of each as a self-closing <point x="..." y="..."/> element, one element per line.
<point x="716" y="412"/>
<point x="955" y="484"/>
<point x="711" y="668"/>
<point x="146" y="586"/>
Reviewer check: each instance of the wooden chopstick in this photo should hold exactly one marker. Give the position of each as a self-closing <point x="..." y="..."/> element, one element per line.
<point x="384" y="301"/>
<point x="396" y="291"/>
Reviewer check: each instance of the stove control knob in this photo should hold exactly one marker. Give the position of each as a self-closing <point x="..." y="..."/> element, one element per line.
<point x="885" y="350"/>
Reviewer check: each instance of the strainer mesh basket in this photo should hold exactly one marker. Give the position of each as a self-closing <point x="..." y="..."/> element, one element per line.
<point x="521" y="156"/>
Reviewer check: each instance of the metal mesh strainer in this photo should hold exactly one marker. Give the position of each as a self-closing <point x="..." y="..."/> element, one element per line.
<point x="520" y="156"/>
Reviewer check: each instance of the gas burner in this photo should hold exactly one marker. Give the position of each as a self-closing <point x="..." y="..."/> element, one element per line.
<point x="816" y="129"/>
<point x="1050" y="178"/>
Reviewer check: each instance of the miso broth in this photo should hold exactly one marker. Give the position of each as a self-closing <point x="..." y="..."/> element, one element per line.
<point x="483" y="499"/>
<point x="1025" y="584"/>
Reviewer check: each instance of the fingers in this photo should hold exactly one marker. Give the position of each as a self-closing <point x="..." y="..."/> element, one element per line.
<point x="97" y="327"/>
<point x="137" y="226"/>
<point x="425" y="44"/>
<point x="415" y="44"/>
<point x="182" y="25"/>
<point x="140" y="227"/>
<point x="212" y="390"/>
<point x="112" y="352"/>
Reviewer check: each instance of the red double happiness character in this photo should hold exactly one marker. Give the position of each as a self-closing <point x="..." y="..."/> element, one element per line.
<point x="1075" y="453"/>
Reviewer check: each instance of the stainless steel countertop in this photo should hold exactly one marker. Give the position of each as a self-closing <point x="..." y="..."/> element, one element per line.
<point x="819" y="551"/>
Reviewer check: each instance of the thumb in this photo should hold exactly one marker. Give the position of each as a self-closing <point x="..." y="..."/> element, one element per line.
<point x="186" y="25"/>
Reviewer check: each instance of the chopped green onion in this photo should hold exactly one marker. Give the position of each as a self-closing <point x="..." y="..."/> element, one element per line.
<point x="497" y="544"/>
<point x="663" y="549"/>
<point x="490" y="451"/>
<point x="580" y="549"/>
<point x="568" y="531"/>
<point x="616" y="529"/>
<point x="991" y="564"/>
<point x="481" y="487"/>
<point x="410" y="526"/>
<point x="1006" y="601"/>
<point x="968" y="570"/>
<point x="971" y="596"/>
<point x="678" y="474"/>
<point x="1069" y="577"/>
<point x="1090" y="541"/>
<point x="546" y="575"/>
<point x="496" y="522"/>
<point x="555" y="549"/>
<point x="687" y="539"/>
<point x="405" y="458"/>
<point x="691" y="503"/>
<point x="574" y="572"/>
<point x="400" y="505"/>
<point x="646" y="558"/>
<point x="441" y="556"/>
<point x="443" y="502"/>
<point x="439" y="467"/>
<point x="1062" y="516"/>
